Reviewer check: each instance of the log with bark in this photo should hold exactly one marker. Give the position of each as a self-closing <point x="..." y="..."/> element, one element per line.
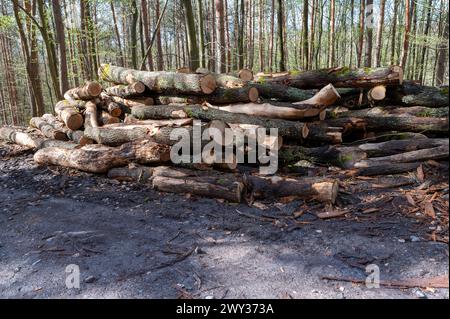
<point x="126" y="91"/>
<point x="108" y="104"/>
<point x="79" y="138"/>
<point x="322" y="133"/>
<point x="325" y="97"/>
<point x="323" y="190"/>
<point x="100" y="158"/>
<point x="158" y="123"/>
<point x="88" y="91"/>
<point x="69" y="115"/>
<point x="106" y="119"/>
<point x="273" y="111"/>
<point x="226" y="81"/>
<point x="282" y="92"/>
<point x="133" y="102"/>
<point x="292" y="129"/>
<point x="340" y="77"/>
<point x="160" y="82"/>
<point x="15" y="136"/>
<point x="47" y="129"/>
<point x="419" y="111"/>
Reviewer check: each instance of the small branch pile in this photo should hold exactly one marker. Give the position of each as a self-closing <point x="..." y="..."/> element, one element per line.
<point x="325" y="117"/>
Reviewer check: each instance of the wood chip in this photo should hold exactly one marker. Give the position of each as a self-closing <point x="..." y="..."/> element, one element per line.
<point x="410" y="200"/>
<point x="429" y="210"/>
<point x="332" y="214"/>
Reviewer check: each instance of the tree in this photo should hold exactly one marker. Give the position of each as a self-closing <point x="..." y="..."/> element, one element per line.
<point x="280" y="41"/>
<point x="394" y="30"/>
<point x="362" y="23"/>
<point x="305" y="45"/>
<point x="201" y="31"/>
<point x="380" y="34"/>
<point x="442" y="53"/>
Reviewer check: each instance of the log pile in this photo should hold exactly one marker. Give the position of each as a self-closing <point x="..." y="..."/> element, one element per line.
<point x="362" y="121"/>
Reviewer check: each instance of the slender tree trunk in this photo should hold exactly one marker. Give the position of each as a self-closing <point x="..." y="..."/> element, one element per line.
<point x="369" y="34"/>
<point x="424" y="46"/>
<point x="380" y="34"/>
<point x="220" y="43"/>
<point x="146" y="25"/>
<point x="272" y="30"/>
<point x="261" y="35"/>
<point x="362" y="24"/>
<point x="442" y="54"/>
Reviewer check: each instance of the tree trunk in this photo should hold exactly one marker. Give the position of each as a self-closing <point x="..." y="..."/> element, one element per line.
<point x="158" y="82"/>
<point x="280" y="34"/>
<point x="100" y="159"/>
<point x="331" y="36"/>
<point x="47" y="129"/>
<point x="369" y="34"/>
<point x="323" y="190"/>
<point x="442" y="54"/>
<point x="115" y="136"/>
<point x="413" y="94"/>
<point x="61" y="41"/>
<point x="191" y="35"/>
<point x="407" y="30"/>
<point x="126" y="91"/>
<point x="380" y="26"/>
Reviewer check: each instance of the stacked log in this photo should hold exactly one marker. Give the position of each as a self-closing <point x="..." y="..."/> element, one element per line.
<point x="362" y="121"/>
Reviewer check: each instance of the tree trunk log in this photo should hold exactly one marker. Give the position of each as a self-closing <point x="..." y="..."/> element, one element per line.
<point x="339" y="77"/>
<point x="296" y="130"/>
<point x="158" y="123"/>
<point x="47" y="129"/>
<point x="108" y="104"/>
<point x="106" y="119"/>
<point x="272" y="111"/>
<point x="160" y="82"/>
<point x="90" y="115"/>
<point x="282" y="92"/>
<point x="323" y="190"/>
<point x="126" y="91"/>
<point x="71" y="117"/>
<point x="12" y="135"/>
<point x="386" y="169"/>
<point x="100" y="158"/>
<point x="325" y="97"/>
<point x="89" y="91"/>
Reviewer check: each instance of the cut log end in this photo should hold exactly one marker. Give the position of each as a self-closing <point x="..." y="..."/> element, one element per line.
<point x="94" y="88"/>
<point x="208" y="84"/>
<point x="74" y="121"/>
<point x="253" y="94"/>
<point x="326" y="191"/>
<point x="245" y="75"/>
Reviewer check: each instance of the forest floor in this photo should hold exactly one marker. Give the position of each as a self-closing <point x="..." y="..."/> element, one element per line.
<point x="132" y="242"/>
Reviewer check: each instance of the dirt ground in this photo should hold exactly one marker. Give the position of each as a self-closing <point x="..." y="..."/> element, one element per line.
<point x="132" y="242"/>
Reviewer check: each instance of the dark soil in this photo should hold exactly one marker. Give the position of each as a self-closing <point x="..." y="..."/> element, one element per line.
<point x="130" y="241"/>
